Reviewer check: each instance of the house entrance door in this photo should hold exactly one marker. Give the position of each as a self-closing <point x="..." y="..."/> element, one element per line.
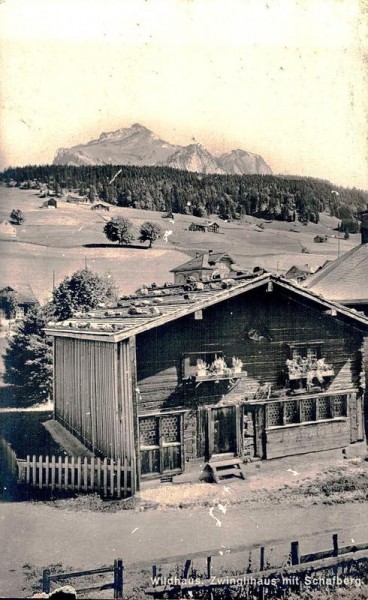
<point x="224" y="430"/>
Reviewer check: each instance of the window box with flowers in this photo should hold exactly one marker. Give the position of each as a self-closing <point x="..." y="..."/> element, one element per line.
<point x="309" y="369"/>
<point x="212" y="367"/>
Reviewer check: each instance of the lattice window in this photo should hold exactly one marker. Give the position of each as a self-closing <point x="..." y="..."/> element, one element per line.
<point x="291" y="411"/>
<point x="324" y="411"/>
<point x="170" y="428"/>
<point x="339" y="406"/>
<point x="160" y="444"/>
<point x="274" y="411"/>
<point x="307" y="409"/>
<point x="148" y="431"/>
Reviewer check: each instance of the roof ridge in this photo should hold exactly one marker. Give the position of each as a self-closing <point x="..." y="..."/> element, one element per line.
<point x="331" y="266"/>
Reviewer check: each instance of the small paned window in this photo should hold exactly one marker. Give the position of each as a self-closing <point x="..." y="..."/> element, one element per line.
<point x="160" y="444"/>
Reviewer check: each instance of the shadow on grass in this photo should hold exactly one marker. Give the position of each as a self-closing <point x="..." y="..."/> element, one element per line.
<point x="122" y="247"/>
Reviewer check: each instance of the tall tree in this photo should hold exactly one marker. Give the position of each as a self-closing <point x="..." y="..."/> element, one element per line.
<point x="119" y="229"/>
<point x="28" y="358"/>
<point x="82" y="291"/>
<point x="149" y="232"/>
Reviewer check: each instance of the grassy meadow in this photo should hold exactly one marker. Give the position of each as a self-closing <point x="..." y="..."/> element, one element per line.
<point x="62" y="240"/>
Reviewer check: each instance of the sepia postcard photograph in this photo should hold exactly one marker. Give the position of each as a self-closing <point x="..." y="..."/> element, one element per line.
<point x="184" y="299"/>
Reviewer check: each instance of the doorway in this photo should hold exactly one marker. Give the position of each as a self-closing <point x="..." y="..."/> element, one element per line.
<point x="224" y="430"/>
<point x="221" y="432"/>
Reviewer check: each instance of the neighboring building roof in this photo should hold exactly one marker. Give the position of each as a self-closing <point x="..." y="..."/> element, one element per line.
<point x="198" y="225"/>
<point x="206" y="260"/>
<point x="23" y="293"/>
<point x="281" y="264"/>
<point x="158" y="306"/>
<point x="299" y="270"/>
<point x="345" y="279"/>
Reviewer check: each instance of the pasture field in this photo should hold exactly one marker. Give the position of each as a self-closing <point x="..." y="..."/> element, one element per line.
<point x="62" y="240"/>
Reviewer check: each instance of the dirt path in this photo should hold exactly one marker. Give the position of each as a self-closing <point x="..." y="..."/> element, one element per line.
<point x="40" y="535"/>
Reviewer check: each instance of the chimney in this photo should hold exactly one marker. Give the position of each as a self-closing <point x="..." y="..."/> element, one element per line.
<point x="364" y="226"/>
<point x="210" y="251"/>
<point x="198" y="254"/>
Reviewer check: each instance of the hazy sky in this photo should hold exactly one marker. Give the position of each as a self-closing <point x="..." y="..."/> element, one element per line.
<point x="282" y="78"/>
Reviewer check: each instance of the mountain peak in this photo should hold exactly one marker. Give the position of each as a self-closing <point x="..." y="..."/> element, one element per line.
<point x="139" y="127"/>
<point x="194" y="158"/>
<point x="137" y="145"/>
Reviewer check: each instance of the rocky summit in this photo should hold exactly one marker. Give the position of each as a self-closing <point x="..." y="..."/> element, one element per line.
<point x="241" y="162"/>
<point x="137" y="145"/>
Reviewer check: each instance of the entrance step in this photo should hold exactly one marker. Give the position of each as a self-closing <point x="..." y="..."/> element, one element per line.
<point x="221" y="469"/>
<point x="166" y="478"/>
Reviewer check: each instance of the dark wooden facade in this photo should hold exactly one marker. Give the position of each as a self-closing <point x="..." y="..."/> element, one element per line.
<point x="259" y="328"/>
<point x="141" y="398"/>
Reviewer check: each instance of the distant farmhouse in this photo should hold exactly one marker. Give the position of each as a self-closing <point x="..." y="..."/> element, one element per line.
<point x="15" y="303"/>
<point x="205" y="266"/>
<point x="345" y="279"/>
<point x="76" y="199"/>
<point x="320" y="239"/>
<point x="50" y="203"/>
<point x="211" y="227"/>
<point x="100" y="206"/>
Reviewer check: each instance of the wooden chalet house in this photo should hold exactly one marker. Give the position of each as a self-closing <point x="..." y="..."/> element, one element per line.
<point x="100" y="206"/>
<point x="211" y="227"/>
<point x="206" y="266"/>
<point x="15" y="303"/>
<point x="255" y="368"/>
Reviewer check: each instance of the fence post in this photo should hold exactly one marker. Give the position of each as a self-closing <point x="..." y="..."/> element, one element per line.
<point x="187" y="566"/>
<point x="46" y="578"/>
<point x="335" y="541"/>
<point x="262" y="559"/>
<point x="295" y="557"/>
<point x="118" y="578"/>
<point x="209" y="559"/>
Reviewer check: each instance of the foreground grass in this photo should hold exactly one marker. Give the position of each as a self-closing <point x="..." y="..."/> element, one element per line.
<point x="333" y="485"/>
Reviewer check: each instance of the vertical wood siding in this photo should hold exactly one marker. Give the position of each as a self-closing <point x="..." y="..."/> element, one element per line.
<point x="93" y="395"/>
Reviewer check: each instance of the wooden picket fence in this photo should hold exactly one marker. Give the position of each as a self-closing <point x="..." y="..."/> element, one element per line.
<point x="107" y="477"/>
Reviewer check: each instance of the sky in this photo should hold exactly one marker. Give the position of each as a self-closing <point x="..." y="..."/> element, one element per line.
<point x="282" y="78"/>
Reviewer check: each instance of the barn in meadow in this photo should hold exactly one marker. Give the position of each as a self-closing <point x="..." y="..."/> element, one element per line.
<point x="252" y="368"/>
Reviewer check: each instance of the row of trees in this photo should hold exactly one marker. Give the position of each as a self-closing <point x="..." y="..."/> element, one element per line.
<point x="120" y="229"/>
<point x="28" y="358"/>
<point x="172" y="190"/>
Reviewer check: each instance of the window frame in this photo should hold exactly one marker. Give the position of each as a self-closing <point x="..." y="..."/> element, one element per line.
<point x="162" y="446"/>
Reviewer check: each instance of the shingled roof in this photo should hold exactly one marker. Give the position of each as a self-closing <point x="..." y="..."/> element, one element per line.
<point x="23" y="293"/>
<point x="204" y="261"/>
<point x="157" y="306"/>
<point x="345" y="279"/>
